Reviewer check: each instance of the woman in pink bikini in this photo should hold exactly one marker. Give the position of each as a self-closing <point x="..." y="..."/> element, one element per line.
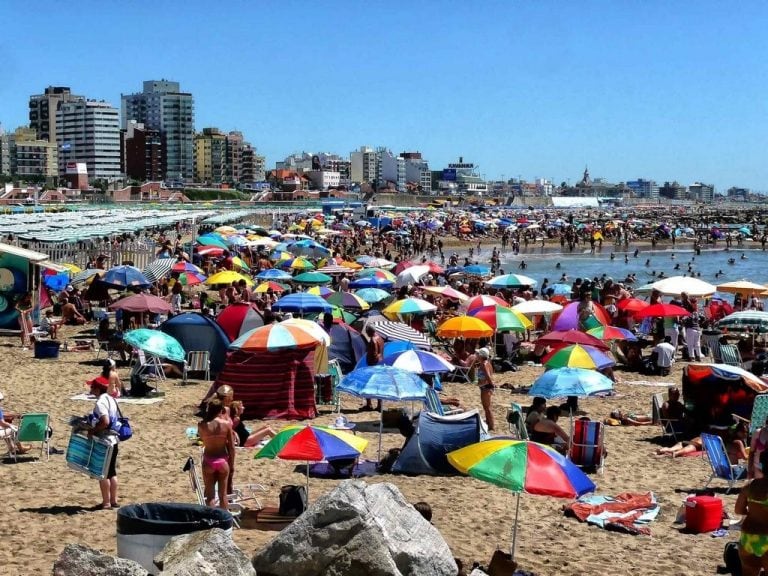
<point x="759" y="444"/>
<point x="215" y="431"/>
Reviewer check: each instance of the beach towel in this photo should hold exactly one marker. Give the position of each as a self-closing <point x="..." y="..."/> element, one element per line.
<point x="122" y="400"/>
<point x="628" y="512"/>
<point x="648" y="383"/>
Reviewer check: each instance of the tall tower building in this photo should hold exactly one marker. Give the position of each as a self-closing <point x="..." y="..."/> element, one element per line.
<point x="210" y="156"/>
<point x="89" y="131"/>
<point x="163" y="107"/>
<point x="43" y="108"/>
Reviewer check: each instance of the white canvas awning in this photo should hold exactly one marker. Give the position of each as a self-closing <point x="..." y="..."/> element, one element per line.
<point x="30" y="255"/>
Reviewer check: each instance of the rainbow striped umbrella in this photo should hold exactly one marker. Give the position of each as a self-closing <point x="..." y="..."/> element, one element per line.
<point x="192" y="278"/>
<point x="376" y="273"/>
<point x="185" y="266"/>
<point x="483" y="301"/>
<point x="299" y="263"/>
<point x="269" y="285"/>
<point x="408" y="306"/>
<point x="321" y="291"/>
<point x="522" y="466"/>
<point x="611" y="333"/>
<point x="502" y="319"/>
<point x="578" y="356"/>
<point x="274" y="337"/>
<point x="347" y="300"/>
<point x="312" y="444"/>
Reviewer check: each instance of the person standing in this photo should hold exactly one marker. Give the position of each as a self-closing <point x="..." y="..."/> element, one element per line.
<point x="215" y="431"/>
<point x="105" y="413"/>
<point x="692" y="328"/>
<point x="752" y="503"/>
<point x="374" y="354"/>
<point x="483" y="376"/>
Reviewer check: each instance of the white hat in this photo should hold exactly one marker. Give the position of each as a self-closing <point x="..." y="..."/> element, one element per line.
<point x="2" y="396"/>
<point x="484" y="352"/>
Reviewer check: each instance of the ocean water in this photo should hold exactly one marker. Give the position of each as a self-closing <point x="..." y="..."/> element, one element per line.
<point x="749" y="263"/>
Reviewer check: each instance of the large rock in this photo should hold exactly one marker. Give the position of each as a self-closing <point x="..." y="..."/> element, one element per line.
<point x="77" y="560"/>
<point x="203" y="554"/>
<point x="358" y="529"/>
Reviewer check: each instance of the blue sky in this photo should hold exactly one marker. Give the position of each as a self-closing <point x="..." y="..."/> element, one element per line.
<point x="652" y="89"/>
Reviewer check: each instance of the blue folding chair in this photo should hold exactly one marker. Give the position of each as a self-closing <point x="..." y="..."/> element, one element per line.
<point x="721" y="465"/>
<point x="432" y="404"/>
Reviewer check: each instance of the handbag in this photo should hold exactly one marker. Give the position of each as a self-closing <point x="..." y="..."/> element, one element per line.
<point x="122" y="426"/>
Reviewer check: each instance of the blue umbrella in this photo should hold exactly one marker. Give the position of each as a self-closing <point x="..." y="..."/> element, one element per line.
<point x="371" y="282"/>
<point x="477" y="269"/>
<point x="273" y="274"/>
<point x="560" y="289"/>
<point x="562" y="382"/>
<point x="125" y="277"/>
<point x="373" y="295"/>
<point x="390" y="348"/>
<point x="156" y="343"/>
<point x="301" y="302"/>
<point x="309" y="248"/>
<point x="383" y="383"/>
<point x="419" y="362"/>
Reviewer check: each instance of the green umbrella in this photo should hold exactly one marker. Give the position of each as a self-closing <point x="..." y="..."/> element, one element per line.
<point x="340" y="314"/>
<point x="156" y="343"/>
<point x="312" y="278"/>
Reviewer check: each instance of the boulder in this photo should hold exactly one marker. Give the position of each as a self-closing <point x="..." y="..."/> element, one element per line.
<point x="477" y="572"/>
<point x="78" y="560"/>
<point x="202" y="554"/>
<point x="358" y="529"/>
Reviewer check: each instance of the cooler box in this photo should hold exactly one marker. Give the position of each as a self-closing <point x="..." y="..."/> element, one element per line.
<point x="47" y="349"/>
<point x="703" y="514"/>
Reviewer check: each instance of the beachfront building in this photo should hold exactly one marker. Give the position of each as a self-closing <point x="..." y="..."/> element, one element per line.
<point x="162" y="106"/>
<point x="323" y="179"/>
<point x="210" y="156"/>
<point x="89" y="131"/>
<point x="364" y="166"/>
<point x="644" y="188"/>
<point x="673" y="191"/>
<point x="252" y="165"/>
<point x="461" y="178"/>
<point x="5" y="152"/>
<point x="43" y="109"/>
<point x="701" y="192"/>
<point x="142" y="153"/>
<point x="29" y="156"/>
<point x="391" y="169"/>
<point x="417" y="173"/>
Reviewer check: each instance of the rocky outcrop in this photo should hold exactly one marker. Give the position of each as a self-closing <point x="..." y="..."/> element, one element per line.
<point x="77" y="560"/>
<point x="202" y="554"/>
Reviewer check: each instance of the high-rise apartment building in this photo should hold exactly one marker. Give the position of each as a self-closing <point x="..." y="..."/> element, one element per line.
<point x="252" y="165"/>
<point x="163" y="107"/>
<point x="30" y="156"/>
<point x="43" y="108"/>
<point x="5" y="152"/>
<point x="89" y="131"/>
<point x="644" y="188"/>
<point x="142" y="153"/>
<point x="364" y="166"/>
<point x="211" y="156"/>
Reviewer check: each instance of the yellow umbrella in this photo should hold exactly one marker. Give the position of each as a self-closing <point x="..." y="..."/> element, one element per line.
<point x="464" y="326"/>
<point x="237" y="261"/>
<point x="73" y="268"/>
<point x="226" y="230"/>
<point x="741" y="287"/>
<point x="351" y="265"/>
<point x="227" y="277"/>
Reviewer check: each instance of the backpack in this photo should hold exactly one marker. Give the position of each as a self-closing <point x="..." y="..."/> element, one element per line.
<point x="293" y="500"/>
<point x="731" y="558"/>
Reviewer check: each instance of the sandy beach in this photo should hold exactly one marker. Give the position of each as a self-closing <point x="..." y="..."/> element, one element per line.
<point x="47" y="505"/>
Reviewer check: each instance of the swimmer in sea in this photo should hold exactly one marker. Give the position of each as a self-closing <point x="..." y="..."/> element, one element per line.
<point x="672" y="257"/>
<point x="648" y="262"/>
<point x="653" y="273"/>
<point x="677" y="266"/>
<point x="731" y="260"/>
<point x="626" y="259"/>
<point x="637" y="251"/>
<point x="557" y="266"/>
<point x="743" y="256"/>
<point x="612" y="256"/>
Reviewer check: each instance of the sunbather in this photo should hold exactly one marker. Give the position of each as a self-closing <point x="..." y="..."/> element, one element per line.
<point x="8" y="430"/>
<point x="632" y="419"/>
<point x="682" y="448"/>
<point x="547" y="431"/>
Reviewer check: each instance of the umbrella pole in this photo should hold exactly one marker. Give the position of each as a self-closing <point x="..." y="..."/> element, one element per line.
<point x="307" y="481"/>
<point x="514" y="529"/>
<point x="381" y="427"/>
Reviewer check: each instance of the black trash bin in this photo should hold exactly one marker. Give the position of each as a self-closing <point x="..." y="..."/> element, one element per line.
<point x="143" y="530"/>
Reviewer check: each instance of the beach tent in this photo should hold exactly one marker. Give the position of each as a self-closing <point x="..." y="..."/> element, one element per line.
<point x="347" y="346"/>
<point x="272" y="384"/>
<point x="196" y="332"/>
<point x="238" y="318"/>
<point x="712" y="393"/>
<point x="435" y="436"/>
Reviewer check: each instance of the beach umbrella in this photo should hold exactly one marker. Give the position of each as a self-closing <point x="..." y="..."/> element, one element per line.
<point x="273" y="274"/>
<point x="483" y="301"/>
<point x="240" y="263"/>
<point x="511" y="281"/>
<point x="383" y="383"/>
<point x="577" y="356"/>
<point x="569" y="318"/>
<point x="371" y="262"/>
<point x="377" y="273"/>
<point x="122" y="277"/>
<point x="632" y="305"/>
<point x="87" y="274"/>
<point x="562" y="382"/>
<point x="73" y="268"/>
<point x="741" y="287"/>
<point x="351" y="265"/>
<point x="403" y="265"/>
<point x="158" y="269"/>
<point x="225" y="230"/>
<point x="373" y="295"/>
<point x="446" y="292"/>
<point x="676" y="285"/>
<point x="321" y="291"/>
<point x="464" y="327"/>
<point x="522" y="466"/>
<point x="476" y="270"/>
<point x="239" y="318"/>
<point x="400" y="332"/>
<point x="408" y="306"/>
<point x="371" y="282"/>
<point x="611" y="333"/>
<point x="142" y="303"/>
<point x="560" y="290"/>
<point x="212" y="240"/>
<point x="661" y="310"/>
<point x="312" y="278"/>
<point x="339" y="315"/>
<point x="411" y="275"/>
<point x="565" y="337"/>
<point x="302" y="303"/>
<point x="313" y="328"/>
<point x="418" y="362"/>
<point x="309" y="248"/>
<point x="211" y="251"/>
<point x="299" y="263"/>
<point x="191" y="278"/>
<point x="537" y="307"/>
<point x="156" y="343"/>
<point x="227" y="277"/>
<point x="748" y="320"/>
<point x="502" y="319"/>
<point x="275" y="337"/>
<point x="347" y="300"/>
<point x="333" y="269"/>
<point x="269" y="285"/>
<point x="185" y="266"/>
<point x="311" y="443"/>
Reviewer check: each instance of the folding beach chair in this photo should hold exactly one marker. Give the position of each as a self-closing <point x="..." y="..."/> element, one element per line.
<point x="432" y="404"/>
<point x="586" y="448"/>
<point x="712" y="343"/>
<point x="106" y="347"/>
<point x="197" y="361"/>
<point x="730" y="355"/>
<point x="34" y="427"/>
<point x="326" y="393"/>
<point x="759" y="413"/>
<point x="148" y="364"/>
<point x="516" y="421"/>
<point x="669" y="426"/>
<point x="718" y="460"/>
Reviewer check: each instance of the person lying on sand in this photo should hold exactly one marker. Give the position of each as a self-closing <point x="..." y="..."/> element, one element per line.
<point x="632" y="419"/>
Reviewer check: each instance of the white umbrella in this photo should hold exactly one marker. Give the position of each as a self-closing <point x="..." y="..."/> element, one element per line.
<point x="533" y="307"/>
<point x="676" y="285"/>
<point x="411" y="275"/>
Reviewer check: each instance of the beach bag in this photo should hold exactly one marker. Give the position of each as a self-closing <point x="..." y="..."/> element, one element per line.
<point x="501" y="564"/>
<point x="293" y="500"/>
<point x="731" y="558"/>
<point x="121" y="426"/>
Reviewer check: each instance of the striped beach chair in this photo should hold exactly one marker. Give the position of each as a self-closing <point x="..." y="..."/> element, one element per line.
<point x="759" y="413"/>
<point x="587" y="444"/>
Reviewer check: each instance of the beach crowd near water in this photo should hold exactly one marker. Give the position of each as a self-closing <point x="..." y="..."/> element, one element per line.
<point x="507" y="298"/>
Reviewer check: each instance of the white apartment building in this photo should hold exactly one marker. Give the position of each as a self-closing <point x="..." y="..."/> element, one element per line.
<point x="89" y="131"/>
<point x="323" y="179"/>
<point x="364" y="165"/>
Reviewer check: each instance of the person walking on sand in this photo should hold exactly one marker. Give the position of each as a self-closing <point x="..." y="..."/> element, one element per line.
<point x="105" y="413"/>
<point x="374" y="354"/>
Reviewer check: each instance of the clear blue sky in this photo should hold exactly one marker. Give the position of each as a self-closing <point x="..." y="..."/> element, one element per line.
<point x="653" y="89"/>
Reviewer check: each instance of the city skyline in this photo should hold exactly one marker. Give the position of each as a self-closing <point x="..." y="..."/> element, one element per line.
<point x="653" y="91"/>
